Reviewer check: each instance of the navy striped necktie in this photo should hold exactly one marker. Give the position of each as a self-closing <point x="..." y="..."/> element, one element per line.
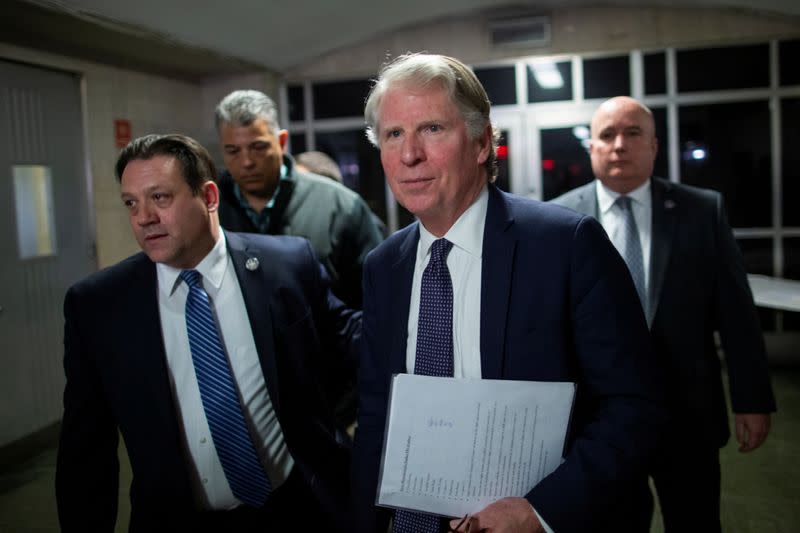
<point x="434" y="355"/>
<point x="232" y="440"/>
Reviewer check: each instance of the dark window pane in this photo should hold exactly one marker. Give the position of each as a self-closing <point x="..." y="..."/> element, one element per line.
<point x="757" y="255"/>
<point x="790" y="135"/>
<point x="549" y="82"/>
<point x="791" y="258"/>
<point x="297" y="142"/>
<point x="732" y="67"/>
<point x="360" y="163"/>
<point x="661" y="166"/>
<point x="340" y="98"/>
<point x="606" y="77"/>
<point x="791" y="270"/>
<point x="503" y="180"/>
<point x="565" y="160"/>
<point x="789" y="52"/>
<point x="727" y="147"/>
<point x="655" y="73"/>
<point x="500" y="84"/>
<point x="297" y="105"/>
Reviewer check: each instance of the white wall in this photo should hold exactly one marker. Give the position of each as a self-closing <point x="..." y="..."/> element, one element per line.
<point x="602" y="29"/>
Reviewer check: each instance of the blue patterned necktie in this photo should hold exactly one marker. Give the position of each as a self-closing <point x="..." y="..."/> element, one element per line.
<point x="632" y="248"/>
<point x="434" y="352"/>
<point x="232" y="440"/>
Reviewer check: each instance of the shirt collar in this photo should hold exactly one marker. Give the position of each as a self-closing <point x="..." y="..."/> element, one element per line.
<point x="212" y="268"/>
<point x="606" y="197"/>
<point x="466" y="233"/>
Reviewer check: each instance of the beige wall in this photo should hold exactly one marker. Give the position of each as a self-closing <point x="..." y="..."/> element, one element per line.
<point x="153" y="104"/>
<point x="577" y="30"/>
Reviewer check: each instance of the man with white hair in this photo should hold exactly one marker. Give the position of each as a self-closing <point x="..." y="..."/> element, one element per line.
<point x="493" y="286"/>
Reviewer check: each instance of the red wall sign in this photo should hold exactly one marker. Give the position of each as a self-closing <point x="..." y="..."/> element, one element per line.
<point x="122" y="132"/>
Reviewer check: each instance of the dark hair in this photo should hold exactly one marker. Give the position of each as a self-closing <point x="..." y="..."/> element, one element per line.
<point x="195" y="160"/>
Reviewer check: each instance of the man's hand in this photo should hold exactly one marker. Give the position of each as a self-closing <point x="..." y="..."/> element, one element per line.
<point x="509" y="515"/>
<point x="751" y="430"/>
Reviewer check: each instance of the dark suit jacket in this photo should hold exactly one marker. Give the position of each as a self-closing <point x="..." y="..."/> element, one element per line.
<point x="698" y="285"/>
<point x="557" y="304"/>
<point x="117" y="381"/>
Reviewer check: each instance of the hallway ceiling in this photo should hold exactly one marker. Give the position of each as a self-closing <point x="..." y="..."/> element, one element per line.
<point x="241" y="35"/>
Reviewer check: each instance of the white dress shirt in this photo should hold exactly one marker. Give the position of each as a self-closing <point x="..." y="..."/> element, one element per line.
<point x="465" y="265"/>
<point x="225" y="294"/>
<point x="612" y="219"/>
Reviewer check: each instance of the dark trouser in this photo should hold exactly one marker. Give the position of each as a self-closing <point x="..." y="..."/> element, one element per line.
<point x="688" y="484"/>
<point x="291" y="507"/>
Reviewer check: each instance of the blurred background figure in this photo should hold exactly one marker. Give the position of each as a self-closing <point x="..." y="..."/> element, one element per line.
<point x="318" y="163"/>
<point x="262" y="192"/>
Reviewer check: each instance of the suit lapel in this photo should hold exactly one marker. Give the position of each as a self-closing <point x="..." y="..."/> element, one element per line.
<point x="587" y="200"/>
<point x="664" y="213"/>
<point x="402" y="278"/>
<point x="256" y="287"/>
<point x="496" y="271"/>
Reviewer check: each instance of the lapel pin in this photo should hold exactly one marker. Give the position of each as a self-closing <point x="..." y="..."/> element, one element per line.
<point x="251" y="264"/>
<point x="669" y="204"/>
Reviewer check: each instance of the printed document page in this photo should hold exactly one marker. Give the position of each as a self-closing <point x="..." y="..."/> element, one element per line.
<point x="453" y="446"/>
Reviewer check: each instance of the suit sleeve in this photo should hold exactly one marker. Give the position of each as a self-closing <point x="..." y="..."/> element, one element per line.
<point x="87" y="468"/>
<point x="338" y="325"/>
<point x="619" y="412"/>
<point x="738" y="326"/>
<point x="373" y="391"/>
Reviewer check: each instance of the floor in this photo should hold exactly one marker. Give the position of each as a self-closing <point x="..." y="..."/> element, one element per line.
<point x="760" y="491"/>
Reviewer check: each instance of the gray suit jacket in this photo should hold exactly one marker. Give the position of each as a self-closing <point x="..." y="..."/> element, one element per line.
<point x="698" y="285"/>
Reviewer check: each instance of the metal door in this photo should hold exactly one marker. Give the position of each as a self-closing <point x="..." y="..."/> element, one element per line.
<point x="46" y="240"/>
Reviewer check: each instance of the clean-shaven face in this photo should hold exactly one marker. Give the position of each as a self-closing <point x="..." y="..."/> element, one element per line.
<point x="623" y="146"/>
<point x="433" y="167"/>
<point x="171" y="225"/>
<point x="253" y="155"/>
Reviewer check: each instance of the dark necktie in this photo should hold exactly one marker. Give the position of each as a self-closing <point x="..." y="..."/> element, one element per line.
<point x="632" y="248"/>
<point x="232" y="440"/>
<point x="434" y="355"/>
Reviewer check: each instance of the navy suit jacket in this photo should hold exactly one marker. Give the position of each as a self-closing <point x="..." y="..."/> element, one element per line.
<point x="117" y="382"/>
<point x="557" y="304"/>
<point x="698" y="285"/>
